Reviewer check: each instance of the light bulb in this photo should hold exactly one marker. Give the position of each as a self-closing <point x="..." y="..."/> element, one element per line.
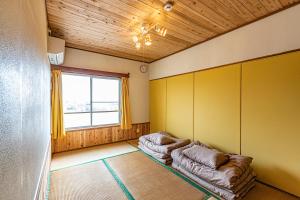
<point x="165" y="32"/>
<point x="148" y="40"/>
<point x="138" y="45"/>
<point x="157" y="28"/>
<point x="148" y="43"/>
<point x="144" y="29"/>
<point x="135" y="39"/>
<point x="161" y="31"/>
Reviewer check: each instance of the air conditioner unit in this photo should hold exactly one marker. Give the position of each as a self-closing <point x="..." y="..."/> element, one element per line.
<point x="56" y="50"/>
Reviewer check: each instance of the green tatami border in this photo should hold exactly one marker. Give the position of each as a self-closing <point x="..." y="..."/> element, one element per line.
<point x="91" y="161"/>
<point x="48" y="186"/>
<point x="129" y="196"/>
<point x="118" y="180"/>
<point x="208" y="194"/>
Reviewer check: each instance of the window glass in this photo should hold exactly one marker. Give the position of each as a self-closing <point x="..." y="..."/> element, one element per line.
<point x="77" y="120"/>
<point x="105" y="90"/>
<point x="105" y="118"/>
<point x="112" y="106"/>
<point x="76" y="93"/>
<point x="83" y="108"/>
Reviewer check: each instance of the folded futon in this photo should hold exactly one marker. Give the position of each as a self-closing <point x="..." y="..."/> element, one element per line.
<point x="228" y="175"/>
<point x="160" y="145"/>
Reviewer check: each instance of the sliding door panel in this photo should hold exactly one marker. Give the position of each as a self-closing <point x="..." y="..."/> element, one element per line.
<point x="217" y="107"/>
<point x="158" y="105"/>
<point x="180" y="106"/>
<point x="271" y="119"/>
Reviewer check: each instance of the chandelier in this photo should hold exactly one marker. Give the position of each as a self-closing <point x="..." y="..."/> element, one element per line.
<point x="143" y="37"/>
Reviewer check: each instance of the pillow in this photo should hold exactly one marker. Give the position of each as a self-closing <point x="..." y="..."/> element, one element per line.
<point x="209" y="157"/>
<point x="159" y="139"/>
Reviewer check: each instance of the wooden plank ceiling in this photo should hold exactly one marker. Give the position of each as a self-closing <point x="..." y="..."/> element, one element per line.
<point x="107" y="26"/>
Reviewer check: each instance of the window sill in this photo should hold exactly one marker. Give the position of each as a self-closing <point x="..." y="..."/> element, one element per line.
<point x="90" y="127"/>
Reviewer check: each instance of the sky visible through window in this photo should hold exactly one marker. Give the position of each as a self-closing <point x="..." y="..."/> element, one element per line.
<point x="83" y="109"/>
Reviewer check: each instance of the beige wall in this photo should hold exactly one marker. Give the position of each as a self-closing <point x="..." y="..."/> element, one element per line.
<point x="138" y="82"/>
<point x="275" y="34"/>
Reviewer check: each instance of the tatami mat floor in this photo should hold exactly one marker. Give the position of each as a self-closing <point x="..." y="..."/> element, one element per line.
<point x="71" y="158"/>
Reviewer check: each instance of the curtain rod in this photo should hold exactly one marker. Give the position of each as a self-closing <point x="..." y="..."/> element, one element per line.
<point x="76" y="70"/>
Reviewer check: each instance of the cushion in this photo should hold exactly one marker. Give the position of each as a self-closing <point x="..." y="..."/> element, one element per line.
<point x="206" y="156"/>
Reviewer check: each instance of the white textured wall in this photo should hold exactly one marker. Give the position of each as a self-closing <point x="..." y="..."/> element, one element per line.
<point x="275" y="34"/>
<point x="138" y="82"/>
<point x="24" y="97"/>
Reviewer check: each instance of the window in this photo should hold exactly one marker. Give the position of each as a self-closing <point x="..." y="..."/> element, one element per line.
<point x="90" y="101"/>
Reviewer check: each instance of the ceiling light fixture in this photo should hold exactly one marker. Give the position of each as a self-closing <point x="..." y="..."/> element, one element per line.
<point x="138" y="45"/>
<point x="145" y="28"/>
<point x="148" y="41"/>
<point x="168" y="6"/>
<point x="143" y="37"/>
<point x="135" y="39"/>
<point x="161" y="31"/>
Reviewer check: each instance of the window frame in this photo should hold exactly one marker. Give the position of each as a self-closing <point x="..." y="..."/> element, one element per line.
<point x="91" y="126"/>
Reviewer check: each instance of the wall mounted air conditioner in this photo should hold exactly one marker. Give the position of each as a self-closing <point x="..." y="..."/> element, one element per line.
<point x="56" y="50"/>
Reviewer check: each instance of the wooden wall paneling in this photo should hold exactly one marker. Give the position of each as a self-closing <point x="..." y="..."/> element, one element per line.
<point x="73" y="142"/>
<point x="77" y="139"/>
<point x="117" y="135"/>
<point x="179" y="114"/>
<point x="120" y="135"/>
<point x="271" y="119"/>
<point x="99" y="136"/>
<point x="133" y="134"/>
<point x="87" y="138"/>
<point x="217" y="107"/>
<point x="146" y="128"/>
<point x="63" y="146"/>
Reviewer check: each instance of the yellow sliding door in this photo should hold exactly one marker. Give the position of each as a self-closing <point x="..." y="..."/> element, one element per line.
<point x="271" y="119"/>
<point x="158" y="105"/>
<point x="217" y="107"/>
<point x="180" y="106"/>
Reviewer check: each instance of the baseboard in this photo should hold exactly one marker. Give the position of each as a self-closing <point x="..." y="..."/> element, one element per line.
<point x="41" y="190"/>
<point x="276" y="188"/>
